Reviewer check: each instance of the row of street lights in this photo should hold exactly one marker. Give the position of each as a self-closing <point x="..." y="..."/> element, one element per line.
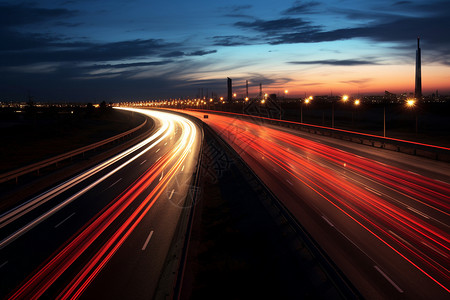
<point x="410" y="103"/>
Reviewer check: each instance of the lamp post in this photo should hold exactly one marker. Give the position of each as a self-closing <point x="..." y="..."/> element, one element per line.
<point x="411" y="103"/>
<point x="306" y="101"/>
<point x="243" y="104"/>
<point x="356" y="103"/>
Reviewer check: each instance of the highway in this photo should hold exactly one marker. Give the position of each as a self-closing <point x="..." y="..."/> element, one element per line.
<point x="104" y="233"/>
<point x="383" y="217"/>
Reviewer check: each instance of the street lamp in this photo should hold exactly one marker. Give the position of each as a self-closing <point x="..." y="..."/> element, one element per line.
<point x="411" y="103"/>
<point x="307" y="100"/>
<point x="356" y="104"/>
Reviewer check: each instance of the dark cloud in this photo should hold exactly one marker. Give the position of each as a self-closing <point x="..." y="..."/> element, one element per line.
<point x="301" y="7"/>
<point x="428" y="20"/>
<point x="139" y="64"/>
<point x="233" y="40"/>
<point x="173" y="54"/>
<point x="47" y="48"/>
<point x="398" y="29"/>
<point x="277" y="26"/>
<point x="24" y="14"/>
<point x="239" y="8"/>
<point x="358" y="82"/>
<point x="201" y="52"/>
<point x="401" y="3"/>
<point x="331" y="62"/>
<point x="67" y="24"/>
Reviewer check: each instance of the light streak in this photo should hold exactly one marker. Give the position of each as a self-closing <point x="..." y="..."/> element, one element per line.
<point x="370" y="210"/>
<point x="45" y="276"/>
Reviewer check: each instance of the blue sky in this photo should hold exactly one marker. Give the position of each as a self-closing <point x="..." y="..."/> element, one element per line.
<point x="93" y="50"/>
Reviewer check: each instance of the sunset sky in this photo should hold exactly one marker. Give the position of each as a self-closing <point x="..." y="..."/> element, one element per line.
<point x="92" y="50"/>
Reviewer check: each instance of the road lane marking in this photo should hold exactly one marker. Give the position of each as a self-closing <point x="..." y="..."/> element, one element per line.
<point x="147" y="240"/>
<point x="143" y="162"/>
<point x="182" y="168"/>
<point x="171" y="194"/>
<point x="328" y="221"/>
<point x="289" y="182"/>
<point x="276" y="170"/>
<point x="441" y="181"/>
<point x="414" y="173"/>
<point x="162" y="173"/>
<point x="3" y="264"/>
<point x="57" y="225"/>
<point x="401" y="239"/>
<point x="113" y="184"/>
<point x="165" y="144"/>
<point x="158" y="150"/>
<point x="373" y="191"/>
<point x="418" y="212"/>
<point x="388" y="279"/>
<point x="436" y="250"/>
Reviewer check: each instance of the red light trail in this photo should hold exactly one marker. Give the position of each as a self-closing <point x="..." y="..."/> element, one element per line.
<point x="420" y="239"/>
<point x="160" y="174"/>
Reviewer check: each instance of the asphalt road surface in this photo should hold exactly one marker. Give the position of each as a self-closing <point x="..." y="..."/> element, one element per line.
<point x="105" y="233"/>
<point x="382" y="216"/>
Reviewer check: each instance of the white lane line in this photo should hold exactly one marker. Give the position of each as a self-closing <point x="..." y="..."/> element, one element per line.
<point x="436" y="250"/>
<point x="182" y="168"/>
<point x="328" y="221"/>
<point x="373" y="191"/>
<point x="113" y="184"/>
<point x="143" y="162"/>
<point x="57" y="225"/>
<point x="414" y="173"/>
<point x="418" y="212"/>
<point x="147" y="240"/>
<point x="171" y="194"/>
<point x="388" y="279"/>
<point x="158" y="150"/>
<point x="162" y="173"/>
<point x="400" y="238"/>
<point x="165" y="144"/>
<point x="3" y="264"/>
<point x="276" y="170"/>
<point x="289" y="182"/>
<point x="441" y="181"/>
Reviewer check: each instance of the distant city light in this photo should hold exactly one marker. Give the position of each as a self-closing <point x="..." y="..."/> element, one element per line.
<point x="410" y="102"/>
<point x="357" y="102"/>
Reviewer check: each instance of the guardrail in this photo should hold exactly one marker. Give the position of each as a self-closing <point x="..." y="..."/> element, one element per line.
<point x="15" y="174"/>
<point x="398" y="145"/>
